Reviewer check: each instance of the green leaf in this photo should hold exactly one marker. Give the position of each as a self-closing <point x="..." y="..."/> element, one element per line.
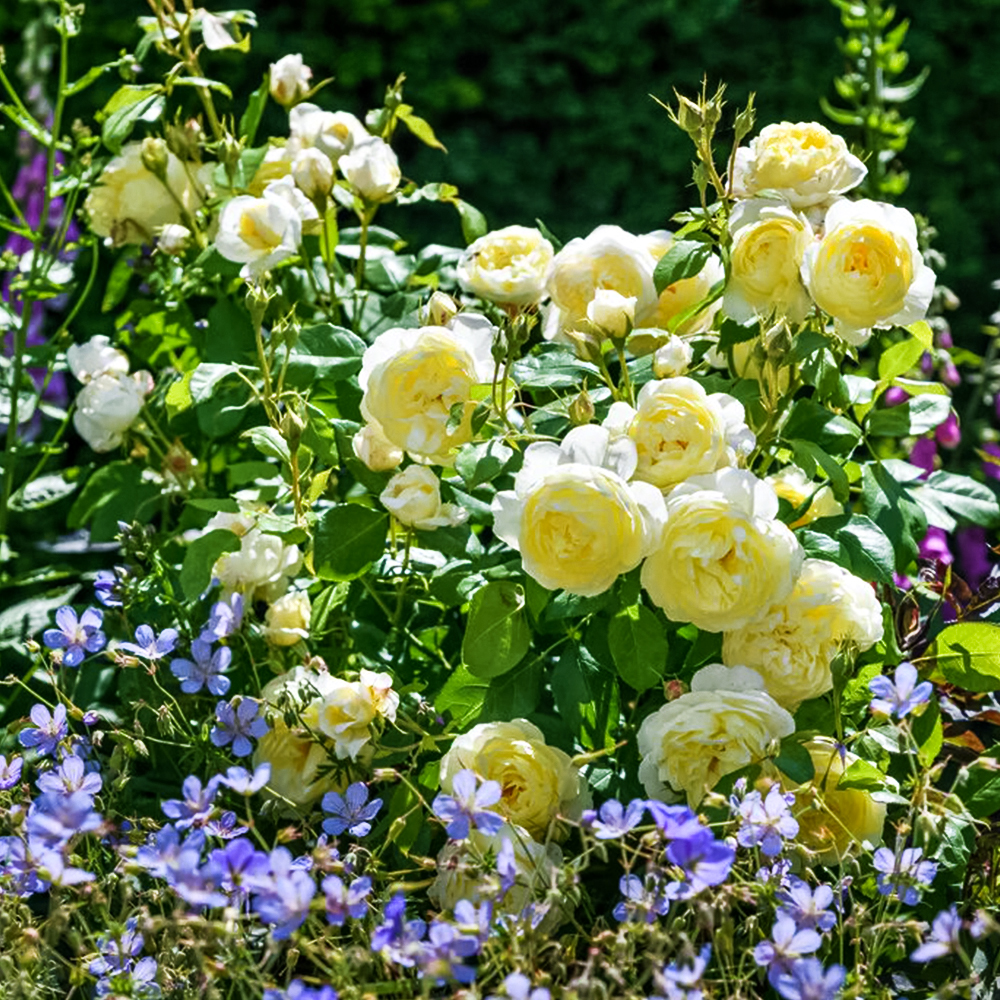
<point x="871" y="552"/>
<point x="497" y="634"/>
<point x="482" y="462"/>
<point x="128" y="106"/>
<point x="196" y="570"/>
<point x="22" y="620"/>
<point x="979" y="787"/>
<point x="968" y="655"/>
<point x="205" y="378"/>
<point x="683" y="259"/>
<point x="42" y="492"/>
<point x="928" y="733"/>
<point x="421" y="129"/>
<point x="324" y="351"/>
<point x="732" y="333"/>
<point x="963" y="496"/>
<point x="811" y="422"/>
<point x="639" y="648"/>
<point x="118" y="280"/>
<point x="862" y="775"/>
<point x="115" y="492"/>
<point x="473" y="221"/>
<point x="348" y="539"/>
<point x="891" y="506"/>
<point x="553" y="369"/>
<point x="807" y="453"/>
<point x="795" y="761"/>
<point x="917" y="415"/>
<point x="922" y="331"/>
<point x="463" y="695"/>
<point x="513" y="695"/>
<point x="586" y="697"/>
<point x="899" y="358"/>
<point x="255" y="109"/>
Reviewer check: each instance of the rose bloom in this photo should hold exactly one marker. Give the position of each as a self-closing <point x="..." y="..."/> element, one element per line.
<point x="413" y="497"/>
<point x="411" y="378"/>
<point x="804" y="163"/>
<point x="258" y="232"/>
<point x="287" y="620"/>
<point x="373" y="448"/>
<point x="576" y="520"/>
<point x="538" y="782"/>
<point x="680" y="430"/>
<point x="676" y="299"/>
<point x="372" y="169"/>
<point x="331" y="132"/>
<point x="289" y="79"/>
<point x="507" y="266"/>
<point x="312" y="172"/>
<point x="262" y="567"/>
<point x="344" y="712"/>
<point x="610" y="313"/>
<point x="868" y="271"/>
<point x="296" y="761"/>
<point x="461" y="867"/>
<point x="722" y="559"/>
<point x="725" y="722"/>
<point x="672" y="357"/>
<point x="108" y="405"/>
<point x="96" y="357"/>
<point x="769" y="242"/>
<point x="833" y="820"/>
<point x="793" y="645"/>
<point x="277" y="163"/>
<point x="609" y="258"/>
<point x="130" y="203"/>
<point x="793" y="485"/>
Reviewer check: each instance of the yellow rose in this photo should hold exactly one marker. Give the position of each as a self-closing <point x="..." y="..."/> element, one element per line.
<point x="722" y="559"/>
<point x="538" y="782"/>
<point x="793" y="645"/>
<point x="793" y="485"/>
<point x="723" y="723"/>
<point x="344" y="712"/>
<point x="675" y="300"/>
<point x="680" y="430"/>
<point x="805" y="163"/>
<point x="769" y="241"/>
<point x="287" y="620"/>
<point x="411" y="378"/>
<point x="373" y="448"/>
<point x="868" y="271"/>
<point x="507" y="266"/>
<point x="573" y="516"/>
<point x="262" y="567"/>
<point x="413" y="497"/>
<point x="295" y="759"/>
<point x="130" y="203"/>
<point x="833" y="820"/>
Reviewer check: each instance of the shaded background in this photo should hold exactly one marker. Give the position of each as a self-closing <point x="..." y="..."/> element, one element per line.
<point x="544" y="107"/>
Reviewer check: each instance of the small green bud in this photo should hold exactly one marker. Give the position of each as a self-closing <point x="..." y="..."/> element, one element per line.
<point x="155" y="157"/>
<point x="581" y="410"/>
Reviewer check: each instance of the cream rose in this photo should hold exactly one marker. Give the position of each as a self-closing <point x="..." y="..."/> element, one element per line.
<point x="374" y="449"/>
<point x="792" y="484"/>
<point x="331" y="132"/>
<point x="677" y="299"/>
<point x="724" y="723"/>
<point x="296" y="761"/>
<point x="769" y="242"/>
<point x="609" y="258"/>
<point x="289" y="79"/>
<point x="680" y="430"/>
<point x="538" y="782"/>
<point x="413" y="497"/>
<point x="344" y="712"/>
<point x="287" y="620"/>
<point x="672" y="358"/>
<point x="832" y="821"/>
<point x="312" y="171"/>
<point x="130" y="203"/>
<point x="793" y="645"/>
<point x="611" y="313"/>
<point x="262" y="567"/>
<point x="576" y="520"/>
<point x="507" y="266"/>
<point x="805" y="163"/>
<point x="722" y="560"/>
<point x="108" y="405"/>
<point x="868" y="271"/>
<point x="372" y="169"/>
<point x="258" y="232"/>
<point x="96" y="357"/>
<point x="411" y="378"/>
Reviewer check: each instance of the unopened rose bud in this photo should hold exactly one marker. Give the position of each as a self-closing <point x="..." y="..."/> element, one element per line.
<point x="183" y="140"/>
<point x="312" y="171"/>
<point x="375" y="449"/>
<point x="441" y="309"/>
<point x="612" y="313"/>
<point x="581" y="410"/>
<point x="173" y="239"/>
<point x="672" y="358"/>
<point x="155" y="157"/>
<point x="289" y="80"/>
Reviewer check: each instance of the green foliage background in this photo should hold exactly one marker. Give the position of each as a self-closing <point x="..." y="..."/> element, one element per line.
<point x="546" y="113"/>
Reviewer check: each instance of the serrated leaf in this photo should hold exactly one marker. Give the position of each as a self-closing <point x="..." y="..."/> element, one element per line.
<point x="683" y="259"/>
<point x="497" y="634"/>
<point x="480" y="463"/>
<point x="473" y="221"/>
<point x="324" y="351"/>
<point x="863" y="776"/>
<point x="348" y="539"/>
<point x="587" y="698"/>
<point x="421" y="129"/>
<point x="917" y="415"/>
<point x="639" y="647"/>
<point x="128" y="106"/>
<point x="899" y="358"/>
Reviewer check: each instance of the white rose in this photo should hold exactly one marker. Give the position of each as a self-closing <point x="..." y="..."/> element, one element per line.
<point x="413" y="497"/>
<point x="611" y="313"/>
<point x="868" y="271"/>
<point x="344" y="713"/>
<point x="258" y="232"/>
<point x="372" y="169"/>
<point x="691" y="742"/>
<point x="96" y="357"/>
<point x="374" y="449"/>
<point x="609" y="258"/>
<point x="277" y="163"/>
<point x="722" y="559"/>
<point x="312" y="171"/>
<point x="173" y="239"/>
<point x="108" y="405"/>
<point x="411" y="378"/>
<point x="507" y="266"/>
<point x="793" y="645"/>
<point x="130" y="203"/>
<point x="332" y="132"/>
<point x="538" y="782"/>
<point x="289" y="80"/>
<point x="769" y="242"/>
<point x="379" y="687"/>
<point x="793" y="485"/>
<point x="576" y="520"/>
<point x="805" y="163"/>
<point x="680" y="430"/>
<point x="262" y="568"/>
<point x="672" y="358"/>
<point x="287" y="620"/>
<point x="671" y="311"/>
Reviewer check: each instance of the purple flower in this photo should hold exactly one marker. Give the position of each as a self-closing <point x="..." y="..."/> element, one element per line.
<point x="205" y="670"/>
<point x="344" y="901"/>
<point x="195" y="807"/>
<point x="644" y="900"/>
<point x="105" y="589"/>
<point x="10" y="774"/>
<point x="225" y="826"/>
<point x="237" y="861"/>
<point x="903" y="874"/>
<point x="767" y="822"/>
<point x="390" y="931"/>
<point x="808" y="981"/>
<point x="76" y="637"/>
<point x="466" y="806"/>
<point x="52" y="728"/>
<point x="238" y="723"/>
<point x="674" y="822"/>
<point x="241" y="781"/>
<point x="150" y="646"/>
<point x="165" y="853"/>
<point x="614" y="820"/>
<point x="225" y="619"/>
<point x="442" y="958"/>
<point x="901" y="696"/>
<point x="787" y="943"/>
<point x="704" y="861"/>
<point x="298" y="990"/>
<point x="518" y="987"/>
<point x="351" y="812"/>
<point x="808" y="908"/>
<point x="118" y="949"/>
<point x="286" y="902"/>
<point x="681" y="981"/>
<point x="54" y="819"/>
<point x="70" y="776"/>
